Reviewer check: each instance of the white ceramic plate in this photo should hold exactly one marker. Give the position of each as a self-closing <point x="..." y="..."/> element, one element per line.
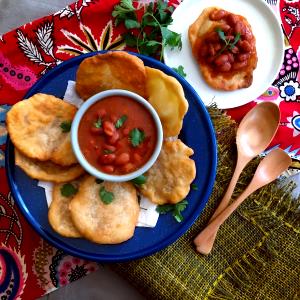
<point x="269" y="46"/>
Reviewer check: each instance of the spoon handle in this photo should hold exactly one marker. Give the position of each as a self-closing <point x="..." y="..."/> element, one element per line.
<point x="205" y="239"/>
<point x="240" y="165"/>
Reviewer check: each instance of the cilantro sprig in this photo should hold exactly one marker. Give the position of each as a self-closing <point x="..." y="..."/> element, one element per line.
<point x="140" y="180"/>
<point x="68" y="190"/>
<point x="106" y="196"/>
<point x="136" y="136"/>
<point x="120" y="122"/>
<point x="98" y="123"/>
<point x="175" y="209"/>
<point x="66" y="126"/>
<point x="228" y="43"/>
<point x="149" y="34"/>
<point x="180" y="70"/>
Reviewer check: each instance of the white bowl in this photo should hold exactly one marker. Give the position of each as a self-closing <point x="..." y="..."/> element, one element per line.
<point x="78" y="153"/>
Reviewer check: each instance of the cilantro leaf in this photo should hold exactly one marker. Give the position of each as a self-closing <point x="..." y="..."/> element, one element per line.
<point x="68" y="190"/>
<point x="136" y="136"/>
<point x="221" y="34"/>
<point x="236" y="39"/>
<point x="98" y="123"/>
<point x="175" y="209"/>
<point x="180" y="71"/>
<point x="194" y="187"/>
<point x="98" y="180"/>
<point x="138" y="181"/>
<point x="171" y="38"/>
<point x="66" y="126"/>
<point x="107" y="151"/>
<point x="106" y="196"/>
<point x="130" y="24"/>
<point x="124" y="11"/>
<point x="121" y="121"/>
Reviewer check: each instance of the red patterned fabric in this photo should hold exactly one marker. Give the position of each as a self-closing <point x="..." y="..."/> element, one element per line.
<point x="29" y="266"/>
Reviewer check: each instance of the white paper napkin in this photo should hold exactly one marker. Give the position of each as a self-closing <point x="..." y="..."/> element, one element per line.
<point x="148" y="215"/>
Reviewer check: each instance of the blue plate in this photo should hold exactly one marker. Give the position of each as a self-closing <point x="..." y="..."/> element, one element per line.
<point x="197" y="133"/>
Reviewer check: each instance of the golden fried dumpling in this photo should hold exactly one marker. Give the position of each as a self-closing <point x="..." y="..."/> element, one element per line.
<point x="169" y="179"/>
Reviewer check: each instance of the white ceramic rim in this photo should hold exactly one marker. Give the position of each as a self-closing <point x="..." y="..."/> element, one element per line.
<point x="79" y="155"/>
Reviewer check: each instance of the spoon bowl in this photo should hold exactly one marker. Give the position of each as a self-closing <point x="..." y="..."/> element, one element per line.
<point x="257" y="129"/>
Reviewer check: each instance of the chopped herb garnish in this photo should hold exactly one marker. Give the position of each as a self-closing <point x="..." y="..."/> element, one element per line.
<point x="194" y="187"/>
<point x="138" y="181"/>
<point x="151" y="35"/>
<point x="68" y="190"/>
<point x="180" y="71"/>
<point x="106" y="196"/>
<point x="98" y="123"/>
<point x="107" y="151"/>
<point x="175" y="209"/>
<point x="121" y="121"/>
<point x="98" y="180"/>
<point x="136" y="136"/>
<point x="228" y="44"/>
<point x="66" y="126"/>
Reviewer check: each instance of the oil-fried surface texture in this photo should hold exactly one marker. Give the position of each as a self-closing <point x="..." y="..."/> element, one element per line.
<point x="105" y="223"/>
<point x="167" y="97"/>
<point x="59" y="213"/>
<point x="240" y="78"/>
<point x="169" y="179"/>
<point x="47" y="170"/>
<point x="112" y="70"/>
<point x="34" y="128"/>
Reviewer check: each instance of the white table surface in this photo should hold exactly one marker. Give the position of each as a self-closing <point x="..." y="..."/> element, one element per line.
<point x="103" y="284"/>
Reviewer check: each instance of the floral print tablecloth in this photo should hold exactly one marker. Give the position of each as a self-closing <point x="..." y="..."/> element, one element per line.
<point x="29" y="266"/>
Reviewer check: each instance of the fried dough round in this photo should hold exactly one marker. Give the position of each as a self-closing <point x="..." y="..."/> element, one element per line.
<point x="34" y="128"/>
<point x="59" y="214"/>
<point x="112" y="70"/>
<point x="169" y="179"/>
<point x="241" y="78"/>
<point x="105" y="223"/>
<point x="47" y="170"/>
<point x="166" y="95"/>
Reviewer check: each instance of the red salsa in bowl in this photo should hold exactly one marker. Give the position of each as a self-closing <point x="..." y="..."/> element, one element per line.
<point x="117" y="134"/>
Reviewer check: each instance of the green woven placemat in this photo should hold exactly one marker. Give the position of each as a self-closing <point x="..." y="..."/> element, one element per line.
<point x="256" y="254"/>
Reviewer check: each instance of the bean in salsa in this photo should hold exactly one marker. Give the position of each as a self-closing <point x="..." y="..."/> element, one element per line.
<point x="117" y="135"/>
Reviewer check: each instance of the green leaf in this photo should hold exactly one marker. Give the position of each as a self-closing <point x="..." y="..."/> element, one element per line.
<point x="107" y="151"/>
<point x="152" y="43"/>
<point x="66" y="126"/>
<point x="175" y="209"/>
<point x="68" y="190"/>
<point x="194" y="187"/>
<point x="139" y="180"/>
<point x="130" y="39"/>
<point x="180" y="71"/>
<point x="171" y="38"/>
<point x="106" y="196"/>
<point x="130" y="24"/>
<point x="120" y="122"/>
<point x="98" y="180"/>
<point x="98" y="123"/>
<point x="124" y="11"/>
<point x="136" y="136"/>
<point x="236" y="39"/>
<point x="221" y="34"/>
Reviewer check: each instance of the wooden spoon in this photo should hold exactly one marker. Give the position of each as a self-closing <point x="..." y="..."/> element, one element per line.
<point x="254" y="134"/>
<point x="276" y="162"/>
